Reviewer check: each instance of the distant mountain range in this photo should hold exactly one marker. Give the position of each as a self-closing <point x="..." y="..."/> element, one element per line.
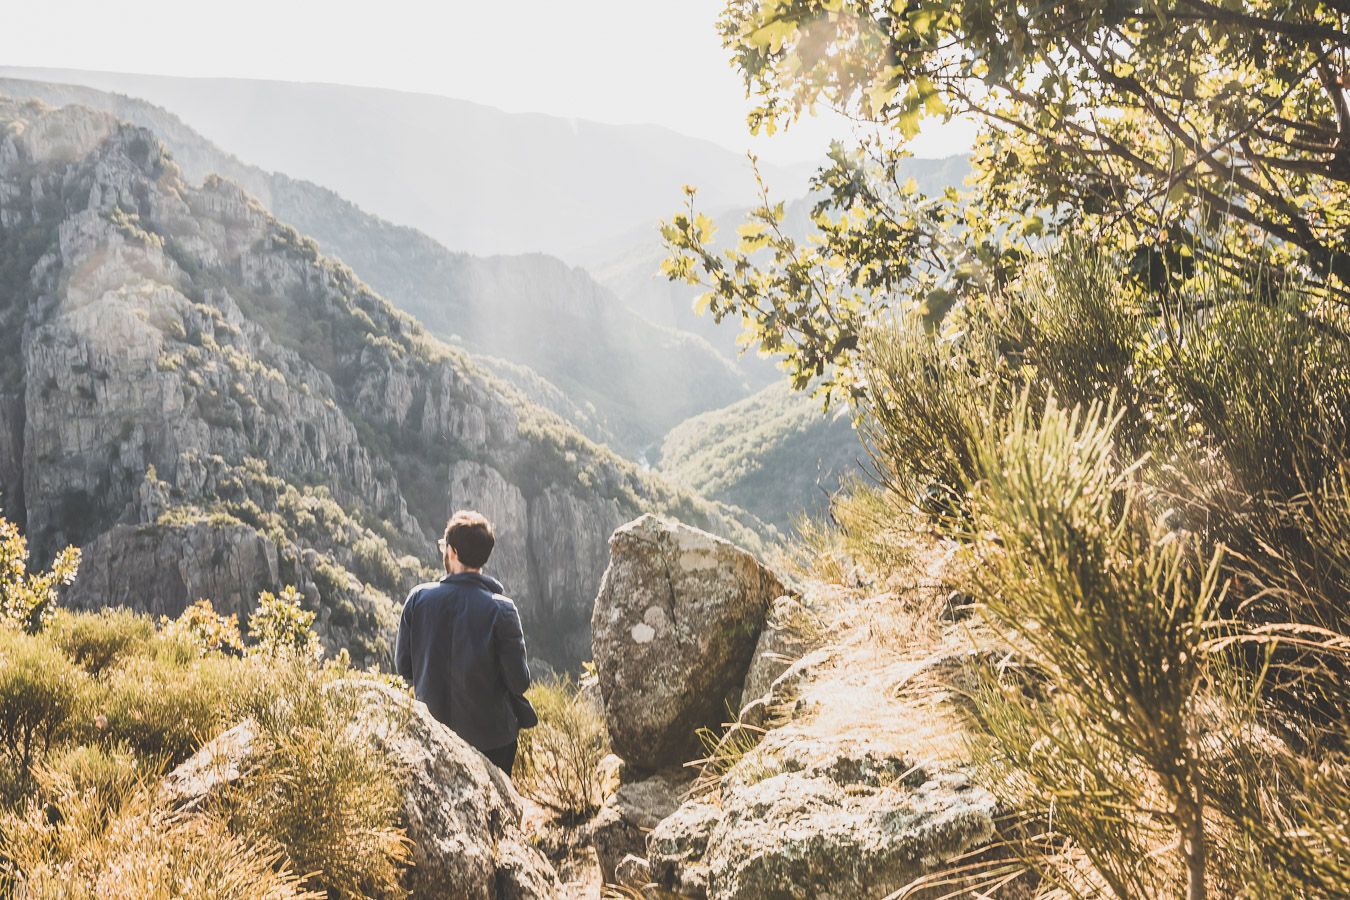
<point x="472" y="177"/>
<point x="614" y="374"/>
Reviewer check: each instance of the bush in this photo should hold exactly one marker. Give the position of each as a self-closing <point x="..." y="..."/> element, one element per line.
<point x="97" y="640"/>
<point x="110" y="774"/>
<point x="207" y="630"/>
<point x="41" y="693"/>
<point x="166" y="709"/>
<point x="1174" y="571"/>
<point x="280" y="627"/>
<point x="323" y="793"/>
<point x="928" y="401"/>
<point x="28" y="600"/>
<point x="558" y="762"/>
<point x="76" y="848"/>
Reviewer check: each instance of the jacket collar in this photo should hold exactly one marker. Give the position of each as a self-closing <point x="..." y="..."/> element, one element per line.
<point x="477" y="578"/>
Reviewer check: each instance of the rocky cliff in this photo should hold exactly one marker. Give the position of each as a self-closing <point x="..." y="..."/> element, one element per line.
<point x="614" y="374"/>
<point x="208" y="405"/>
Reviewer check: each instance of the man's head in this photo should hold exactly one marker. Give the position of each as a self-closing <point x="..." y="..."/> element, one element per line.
<point x="468" y="542"/>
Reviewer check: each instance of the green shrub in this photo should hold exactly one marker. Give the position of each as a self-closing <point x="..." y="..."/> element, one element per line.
<point x="97" y="640"/>
<point x="28" y="600"/>
<point x="204" y="628"/>
<point x="558" y="762"/>
<point x="1174" y="572"/>
<point x="41" y="693"/>
<point x="75" y="847"/>
<point x="280" y="627"/>
<point x="110" y="774"/>
<point x="166" y="709"/>
<point x="323" y="793"/>
<point x="1110" y="606"/>
<point x="928" y="402"/>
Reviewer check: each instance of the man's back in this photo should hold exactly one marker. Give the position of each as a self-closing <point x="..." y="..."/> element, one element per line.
<point x="460" y="645"/>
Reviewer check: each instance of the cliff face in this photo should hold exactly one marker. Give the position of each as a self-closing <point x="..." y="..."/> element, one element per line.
<point x="210" y="407"/>
<point x="626" y="380"/>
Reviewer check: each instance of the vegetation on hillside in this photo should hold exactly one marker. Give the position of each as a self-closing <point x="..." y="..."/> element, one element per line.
<point x="773" y="454"/>
<point x="1116" y="372"/>
<point x="98" y="706"/>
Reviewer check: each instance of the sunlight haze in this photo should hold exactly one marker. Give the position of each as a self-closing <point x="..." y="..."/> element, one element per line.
<point x="650" y="61"/>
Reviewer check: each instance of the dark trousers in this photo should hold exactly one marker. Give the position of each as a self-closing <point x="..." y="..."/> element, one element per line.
<point x="503" y="757"/>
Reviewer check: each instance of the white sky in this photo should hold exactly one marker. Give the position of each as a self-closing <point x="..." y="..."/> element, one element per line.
<point x="620" y="61"/>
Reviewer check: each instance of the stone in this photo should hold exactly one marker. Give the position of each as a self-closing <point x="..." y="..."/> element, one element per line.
<point x="220" y="762"/>
<point x="632" y="872"/>
<point x="780" y="645"/>
<point x="678" y="846"/>
<point x="673" y="631"/>
<point x="620" y="828"/>
<point x="820" y="832"/>
<point x="460" y="813"/>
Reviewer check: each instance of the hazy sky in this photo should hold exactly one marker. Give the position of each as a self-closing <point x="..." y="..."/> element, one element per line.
<point x="616" y="61"/>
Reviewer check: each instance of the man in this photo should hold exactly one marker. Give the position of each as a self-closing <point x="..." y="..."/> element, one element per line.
<point x="461" y="647"/>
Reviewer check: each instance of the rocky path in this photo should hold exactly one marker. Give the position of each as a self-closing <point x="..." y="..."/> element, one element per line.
<point x="846" y="778"/>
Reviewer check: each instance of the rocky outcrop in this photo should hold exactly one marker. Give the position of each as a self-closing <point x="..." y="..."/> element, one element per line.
<point x="460" y="812"/>
<point x="181" y="334"/>
<point x="840" y="831"/>
<point x="162" y="570"/>
<point x="11" y="456"/>
<point x="673" y="631"/>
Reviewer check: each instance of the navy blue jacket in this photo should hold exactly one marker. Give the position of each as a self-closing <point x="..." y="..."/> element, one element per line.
<point x="461" y="647"/>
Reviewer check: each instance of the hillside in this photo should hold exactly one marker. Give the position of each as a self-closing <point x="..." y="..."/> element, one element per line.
<point x="629" y="264"/>
<point x="775" y="454"/>
<point x="472" y="177"/>
<point x="210" y="407"/>
<point x="627" y="381"/>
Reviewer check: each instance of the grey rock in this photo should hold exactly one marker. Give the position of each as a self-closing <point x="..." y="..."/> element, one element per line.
<point x="459" y="811"/>
<point x="620" y="828"/>
<point x="818" y="833"/>
<point x="632" y="872"/>
<point x="674" y="627"/>
<point x="162" y="570"/>
<point x="678" y="847"/>
<point x="220" y="762"/>
<point x="780" y="645"/>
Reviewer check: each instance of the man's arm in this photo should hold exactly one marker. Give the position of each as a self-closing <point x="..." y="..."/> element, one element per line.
<point x="403" y="644"/>
<point x="510" y="641"/>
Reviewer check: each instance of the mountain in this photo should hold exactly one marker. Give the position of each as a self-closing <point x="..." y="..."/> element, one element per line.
<point x="192" y="392"/>
<point x="611" y="372"/>
<point x="472" y="177"/>
<point x="775" y="454"/>
<point x="629" y="264"/>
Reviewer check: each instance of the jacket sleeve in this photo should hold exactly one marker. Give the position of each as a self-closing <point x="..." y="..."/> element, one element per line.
<point x="510" y="642"/>
<point x="403" y="644"/>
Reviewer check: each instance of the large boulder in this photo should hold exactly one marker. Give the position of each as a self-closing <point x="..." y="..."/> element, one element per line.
<point x="459" y="811"/>
<point x="673" y="631"/>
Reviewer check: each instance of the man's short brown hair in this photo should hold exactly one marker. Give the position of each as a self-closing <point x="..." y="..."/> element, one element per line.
<point x="470" y="534"/>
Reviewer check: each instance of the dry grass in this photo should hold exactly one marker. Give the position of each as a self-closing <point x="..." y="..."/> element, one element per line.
<point x="558" y="764"/>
